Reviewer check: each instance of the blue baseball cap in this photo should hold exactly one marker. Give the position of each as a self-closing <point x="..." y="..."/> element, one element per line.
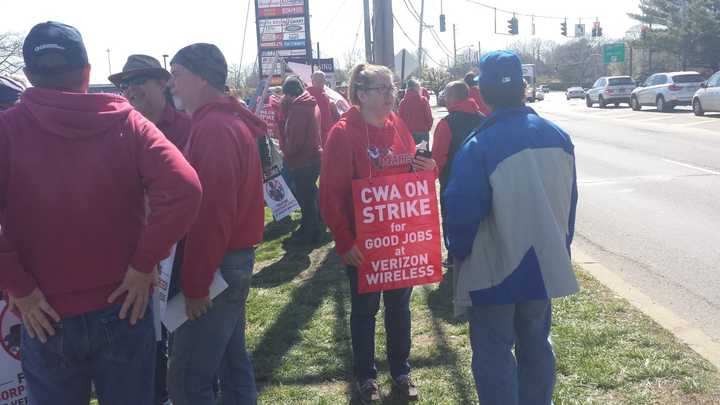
<point x="500" y="70"/>
<point x="53" y="47"/>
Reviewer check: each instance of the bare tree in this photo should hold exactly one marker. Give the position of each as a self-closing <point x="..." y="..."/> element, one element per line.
<point x="11" y="60"/>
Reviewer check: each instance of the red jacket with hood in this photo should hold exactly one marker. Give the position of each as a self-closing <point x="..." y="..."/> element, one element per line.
<point x="475" y="95"/>
<point x="356" y="150"/>
<point x="328" y="111"/>
<point x="75" y="170"/>
<point x="300" y="140"/>
<point x="443" y="135"/>
<point x="415" y="112"/>
<point x="223" y="149"/>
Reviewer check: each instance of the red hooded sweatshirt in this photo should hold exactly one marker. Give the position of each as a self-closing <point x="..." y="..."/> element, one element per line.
<point x="75" y="170"/>
<point x="475" y="95"/>
<point x="328" y="111"/>
<point x="300" y="140"/>
<point x="356" y="150"/>
<point x="175" y="125"/>
<point x="443" y="136"/>
<point x="223" y="149"/>
<point x="415" y="112"/>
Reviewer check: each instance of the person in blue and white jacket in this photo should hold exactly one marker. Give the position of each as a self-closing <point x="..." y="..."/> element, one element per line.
<point x="511" y="202"/>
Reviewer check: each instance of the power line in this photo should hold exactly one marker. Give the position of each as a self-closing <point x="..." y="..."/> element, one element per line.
<point x="413" y="12"/>
<point x="247" y="16"/>
<point x="334" y="19"/>
<point x="549" y="17"/>
<point x="413" y="43"/>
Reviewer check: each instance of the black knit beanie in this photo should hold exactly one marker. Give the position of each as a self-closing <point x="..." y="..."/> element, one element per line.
<point x="206" y="61"/>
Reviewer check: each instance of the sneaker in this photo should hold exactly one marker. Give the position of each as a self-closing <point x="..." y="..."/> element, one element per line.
<point x="406" y="388"/>
<point x="367" y="391"/>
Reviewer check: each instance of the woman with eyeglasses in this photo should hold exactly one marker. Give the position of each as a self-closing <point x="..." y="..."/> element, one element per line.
<point x="369" y="141"/>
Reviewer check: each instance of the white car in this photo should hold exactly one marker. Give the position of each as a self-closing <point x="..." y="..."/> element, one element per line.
<point x="707" y="99"/>
<point x="575" y="92"/>
<point x="540" y="94"/>
<point x="666" y="90"/>
<point x="610" y="90"/>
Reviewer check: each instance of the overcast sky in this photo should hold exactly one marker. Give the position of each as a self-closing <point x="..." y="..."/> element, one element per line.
<point x="158" y="27"/>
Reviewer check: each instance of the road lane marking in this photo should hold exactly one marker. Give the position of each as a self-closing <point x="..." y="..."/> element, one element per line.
<point x="692" y="124"/>
<point x="689" y="166"/>
<point x="657" y="118"/>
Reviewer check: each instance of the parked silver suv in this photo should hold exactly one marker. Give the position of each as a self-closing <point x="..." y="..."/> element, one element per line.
<point x="707" y="99"/>
<point x="610" y="90"/>
<point x="666" y="90"/>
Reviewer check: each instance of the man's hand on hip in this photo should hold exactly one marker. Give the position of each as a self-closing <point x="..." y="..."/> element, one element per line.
<point x="36" y="314"/>
<point x="137" y="285"/>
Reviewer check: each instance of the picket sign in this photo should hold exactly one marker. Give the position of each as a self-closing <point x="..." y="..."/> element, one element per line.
<point x="397" y="228"/>
<point x="172" y="311"/>
<point x="12" y="380"/>
<point x="279" y="198"/>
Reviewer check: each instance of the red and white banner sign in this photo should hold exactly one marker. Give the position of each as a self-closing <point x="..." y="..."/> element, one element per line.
<point x="398" y="231"/>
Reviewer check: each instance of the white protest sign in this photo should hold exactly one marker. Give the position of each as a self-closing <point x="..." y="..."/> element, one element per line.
<point x="12" y="380"/>
<point x="172" y="313"/>
<point x="279" y="198"/>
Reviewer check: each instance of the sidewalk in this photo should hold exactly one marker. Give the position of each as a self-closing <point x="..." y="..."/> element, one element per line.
<point x="608" y="352"/>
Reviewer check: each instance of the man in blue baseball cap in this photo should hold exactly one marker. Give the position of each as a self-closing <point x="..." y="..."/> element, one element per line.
<point x="92" y="197"/>
<point x="510" y="206"/>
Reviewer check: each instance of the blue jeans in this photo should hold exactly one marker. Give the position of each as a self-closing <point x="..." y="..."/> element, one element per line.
<point x="214" y="345"/>
<point x="96" y="346"/>
<point x="363" y="309"/>
<point x="504" y="379"/>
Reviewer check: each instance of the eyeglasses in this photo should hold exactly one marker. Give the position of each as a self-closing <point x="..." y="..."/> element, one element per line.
<point x="383" y="90"/>
<point x="133" y="81"/>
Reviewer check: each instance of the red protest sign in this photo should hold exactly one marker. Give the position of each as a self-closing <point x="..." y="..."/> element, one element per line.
<point x="397" y="228"/>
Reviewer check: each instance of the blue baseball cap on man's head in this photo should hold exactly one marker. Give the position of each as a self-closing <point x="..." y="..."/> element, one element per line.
<point x="500" y="70"/>
<point x="53" y="47"/>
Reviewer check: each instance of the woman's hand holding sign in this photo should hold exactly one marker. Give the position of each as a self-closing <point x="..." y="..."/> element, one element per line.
<point x="353" y="257"/>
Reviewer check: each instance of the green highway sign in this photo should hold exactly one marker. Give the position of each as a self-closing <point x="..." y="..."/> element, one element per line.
<point x="614" y="53"/>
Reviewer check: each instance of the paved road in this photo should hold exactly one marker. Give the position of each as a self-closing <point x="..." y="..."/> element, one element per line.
<point x="649" y="206"/>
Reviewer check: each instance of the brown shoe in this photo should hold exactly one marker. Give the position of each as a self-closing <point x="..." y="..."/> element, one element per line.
<point x="367" y="391"/>
<point x="405" y="387"/>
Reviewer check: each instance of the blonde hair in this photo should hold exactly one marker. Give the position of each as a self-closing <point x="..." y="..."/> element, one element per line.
<point x="362" y="76"/>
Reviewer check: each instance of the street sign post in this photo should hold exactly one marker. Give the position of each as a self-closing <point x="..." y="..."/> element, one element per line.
<point x="614" y="53"/>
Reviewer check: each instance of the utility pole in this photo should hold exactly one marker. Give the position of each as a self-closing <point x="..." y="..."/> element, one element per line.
<point x="479" y="52"/>
<point x="165" y="61"/>
<point x="420" y="48"/>
<point x="454" y="46"/>
<point x="109" y="66"/>
<point x="368" y="26"/>
<point x="383" y="45"/>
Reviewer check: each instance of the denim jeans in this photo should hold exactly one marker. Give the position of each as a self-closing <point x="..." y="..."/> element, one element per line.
<point x="364" y="308"/>
<point x="306" y="193"/>
<point x="501" y="378"/>
<point x="214" y="345"/>
<point x="96" y="347"/>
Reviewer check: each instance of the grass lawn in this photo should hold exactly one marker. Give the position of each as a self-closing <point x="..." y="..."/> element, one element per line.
<point x="298" y="331"/>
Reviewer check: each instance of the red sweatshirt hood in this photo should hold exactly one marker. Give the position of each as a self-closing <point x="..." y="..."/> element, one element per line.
<point x="230" y="105"/>
<point x="305" y="99"/>
<point x="412" y="94"/>
<point x="75" y="115"/>
<point x="468" y="105"/>
<point x="316" y="91"/>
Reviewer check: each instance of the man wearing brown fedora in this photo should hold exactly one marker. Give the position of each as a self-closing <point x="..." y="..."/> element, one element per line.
<point x="144" y="83"/>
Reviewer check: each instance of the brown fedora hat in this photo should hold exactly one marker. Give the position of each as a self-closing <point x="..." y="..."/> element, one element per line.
<point x="139" y="65"/>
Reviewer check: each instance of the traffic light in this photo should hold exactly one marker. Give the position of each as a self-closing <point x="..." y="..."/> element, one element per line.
<point x="563" y="28"/>
<point x="442" y="22"/>
<point x="597" y="29"/>
<point x="513" y="26"/>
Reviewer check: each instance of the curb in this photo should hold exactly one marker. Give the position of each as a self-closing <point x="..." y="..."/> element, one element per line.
<point x="701" y="343"/>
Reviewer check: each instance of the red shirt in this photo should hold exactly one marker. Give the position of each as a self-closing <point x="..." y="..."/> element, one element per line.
<point x="223" y="149"/>
<point x="300" y="139"/>
<point x="355" y="150"/>
<point x="175" y="125"/>
<point x="75" y="170"/>
<point x="415" y="112"/>
<point x="328" y="111"/>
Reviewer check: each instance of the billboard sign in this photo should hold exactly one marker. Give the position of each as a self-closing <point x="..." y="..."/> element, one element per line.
<point x="283" y="30"/>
